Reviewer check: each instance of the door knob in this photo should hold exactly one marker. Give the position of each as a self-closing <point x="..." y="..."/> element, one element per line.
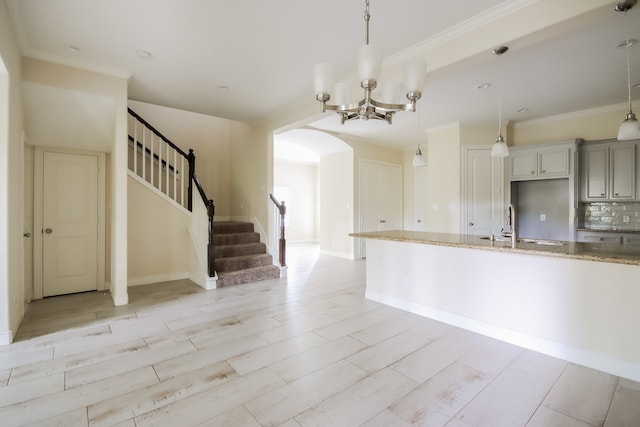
<point x="48" y="230"/>
<point x="471" y="224"/>
<point x="27" y="234"/>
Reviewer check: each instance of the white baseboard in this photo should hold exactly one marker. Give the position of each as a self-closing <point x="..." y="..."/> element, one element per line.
<point x="156" y="278"/>
<point x="6" y="337"/>
<point x="120" y="299"/>
<point x="579" y="356"/>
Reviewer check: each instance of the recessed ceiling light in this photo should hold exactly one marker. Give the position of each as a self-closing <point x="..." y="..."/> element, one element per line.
<point x="522" y="110"/>
<point x="73" y="47"/>
<point x="484" y="86"/>
<point x="624" y="43"/>
<point x="144" y="54"/>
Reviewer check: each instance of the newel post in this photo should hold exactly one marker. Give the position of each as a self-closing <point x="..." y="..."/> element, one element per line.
<point x="191" y="158"/>
<point x="283" y="243"/>
<point x="211" y="256"/>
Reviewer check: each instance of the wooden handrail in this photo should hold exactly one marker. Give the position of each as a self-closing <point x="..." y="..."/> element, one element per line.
<point x="282" y="246"/>
<point x="156" y="132"/>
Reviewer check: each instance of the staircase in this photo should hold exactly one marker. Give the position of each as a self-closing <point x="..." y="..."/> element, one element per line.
<point x="240" y="256"/>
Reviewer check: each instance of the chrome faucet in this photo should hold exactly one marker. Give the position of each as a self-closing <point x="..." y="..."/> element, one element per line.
<point x="511" y="223"/>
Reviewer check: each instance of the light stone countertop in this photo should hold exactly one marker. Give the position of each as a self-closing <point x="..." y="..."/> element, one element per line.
<point x="586" y="251"/>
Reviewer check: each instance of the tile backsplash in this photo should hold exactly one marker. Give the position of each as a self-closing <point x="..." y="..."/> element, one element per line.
<point x="615" y="216"/>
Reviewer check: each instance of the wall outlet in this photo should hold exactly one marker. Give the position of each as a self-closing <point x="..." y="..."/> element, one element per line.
<point x="543" y="217"/>
<point x="625" y="218"/>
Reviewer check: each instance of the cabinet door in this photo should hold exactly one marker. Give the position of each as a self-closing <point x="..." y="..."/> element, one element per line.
<point x="523" y="165"/>
<point x="599" y="237"/>
<point x="595" y="170"/>
<point x="622" y="166"/>
<point x="631" y="239"/>
<point x="553" y="163"/>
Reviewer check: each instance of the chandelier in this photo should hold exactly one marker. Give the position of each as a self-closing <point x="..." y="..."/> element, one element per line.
<point x="369" y="69"/>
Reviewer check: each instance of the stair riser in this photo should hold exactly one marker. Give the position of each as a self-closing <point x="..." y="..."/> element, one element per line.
<point x="232" y="279"/>
<point x="231" y="264"/>
<point x="232" y="227"/>
<point x="239" y="250"/>
<point x="235" y="239"/>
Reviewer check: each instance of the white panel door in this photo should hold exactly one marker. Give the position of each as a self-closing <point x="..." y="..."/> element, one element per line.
<point x="484" y="195"/>
<point x="390" y="199"/>
<point x="70" y="223"/>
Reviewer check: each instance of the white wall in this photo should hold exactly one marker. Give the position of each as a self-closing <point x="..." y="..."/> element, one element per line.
<point x="444" y="179"/>
<point x="12" y="292"/>
<point x="336" y="204"/>
<point x="302" y="181"/>
<point x="157" y="238"/>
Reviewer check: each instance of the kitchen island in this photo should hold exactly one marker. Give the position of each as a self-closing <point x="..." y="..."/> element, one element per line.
<point x="576" y="301"/>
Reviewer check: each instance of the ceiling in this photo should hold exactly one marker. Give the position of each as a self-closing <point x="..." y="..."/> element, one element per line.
<point x="244" y="59"/>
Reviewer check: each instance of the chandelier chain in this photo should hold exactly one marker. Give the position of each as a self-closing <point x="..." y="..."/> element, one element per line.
<point x="366" y="20"/>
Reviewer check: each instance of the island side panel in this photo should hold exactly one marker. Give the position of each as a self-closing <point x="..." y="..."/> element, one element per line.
<point x="583" y="311"/>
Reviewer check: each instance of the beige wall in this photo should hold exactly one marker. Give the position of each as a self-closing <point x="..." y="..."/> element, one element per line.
<point x="209" y="137"/>
<point x="444" y="178"/>
<point x="336" y="204"/>
<point x="158" y="237"/>
<point x="302" y="180"/>
<point x="594" y="124"/>
<point x="12" y="292"/>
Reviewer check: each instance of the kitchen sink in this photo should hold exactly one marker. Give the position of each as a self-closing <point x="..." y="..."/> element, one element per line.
<point x="536" y="241"/>
<point x="543" y="242"/>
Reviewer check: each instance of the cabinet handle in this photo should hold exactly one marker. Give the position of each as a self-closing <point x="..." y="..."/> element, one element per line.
<point x="471" y="224"/>
<point x="533" y="172"/>
<point x="602" y="194"/>
<point x="544" y="171"/>
<point x="382" y="221"/>
<point x="615" y="194"/>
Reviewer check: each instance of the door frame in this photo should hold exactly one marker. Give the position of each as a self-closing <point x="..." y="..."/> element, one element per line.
<point x="38" y="193"/>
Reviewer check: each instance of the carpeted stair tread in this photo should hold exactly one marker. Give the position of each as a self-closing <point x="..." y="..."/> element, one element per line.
<point x="228" y="227"/>
<point x="243" y="262"/>
<point x="235" y="238"/>
<point x="223" y="251"/>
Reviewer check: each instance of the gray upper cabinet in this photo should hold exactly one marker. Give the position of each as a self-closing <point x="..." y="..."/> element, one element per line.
<point x="539" y="163"/>
<point x="608" y="172"/>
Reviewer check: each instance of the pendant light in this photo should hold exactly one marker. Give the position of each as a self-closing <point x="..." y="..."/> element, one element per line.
<point x="418" y="159"/>
<point x="630" y="127"/>
<point x="500" y="148"/>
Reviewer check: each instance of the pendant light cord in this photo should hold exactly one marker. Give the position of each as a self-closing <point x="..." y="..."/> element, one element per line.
<point x="628" y="73"/>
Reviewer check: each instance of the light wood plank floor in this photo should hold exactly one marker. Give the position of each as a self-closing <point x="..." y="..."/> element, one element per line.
<point x="307" y="350"/>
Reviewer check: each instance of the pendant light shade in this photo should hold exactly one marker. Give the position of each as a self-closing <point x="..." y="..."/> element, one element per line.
<point x="499" y="148"/>
<point x="630" y="128"/>
<point x="418" y="159"/>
